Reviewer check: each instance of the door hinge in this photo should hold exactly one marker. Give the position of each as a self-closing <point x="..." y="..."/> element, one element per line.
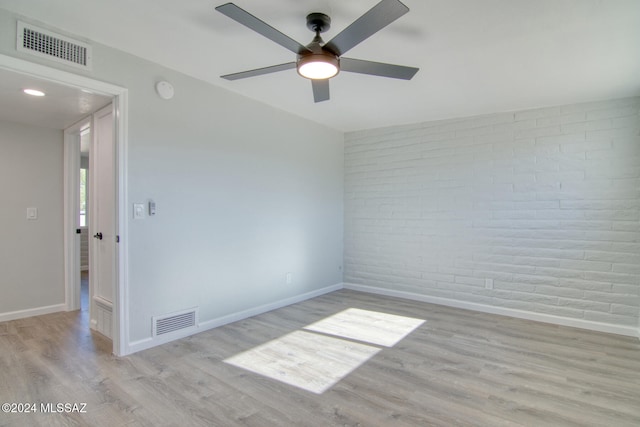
<point x="117" y="239"/>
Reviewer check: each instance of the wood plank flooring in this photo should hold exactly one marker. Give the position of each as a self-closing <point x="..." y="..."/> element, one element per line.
<point x="459" y="368"/>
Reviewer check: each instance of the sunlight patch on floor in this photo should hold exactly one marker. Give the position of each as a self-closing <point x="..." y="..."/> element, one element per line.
<point x="313" y="361"/>
<point x="302" y="359"/>
<point x="368" y="326"/>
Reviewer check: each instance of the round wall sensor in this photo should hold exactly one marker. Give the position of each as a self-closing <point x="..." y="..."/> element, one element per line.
<point x="164" y="89"/>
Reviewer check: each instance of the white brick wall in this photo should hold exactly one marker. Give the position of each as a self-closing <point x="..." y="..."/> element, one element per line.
<point x="545" y="202"/>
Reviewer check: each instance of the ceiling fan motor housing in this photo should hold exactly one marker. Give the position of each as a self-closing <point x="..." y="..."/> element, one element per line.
<point x="318" y="22"/>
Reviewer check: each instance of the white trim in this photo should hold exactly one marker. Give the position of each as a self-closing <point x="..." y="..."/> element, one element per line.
<point x="21" y="314"/>
<point x="71" y="203"/>
<point x="230" y="318"/>
<point x="103" y="303"/>
<point x="55" y="75"/>
<point x="520" y="314"/>
<point x="121" y="297"/>
<point x="120" y="106"/>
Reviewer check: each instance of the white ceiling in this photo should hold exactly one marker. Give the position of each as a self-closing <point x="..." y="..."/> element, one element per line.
<point x="475" y="56"/>
<point x="61" y="107"/>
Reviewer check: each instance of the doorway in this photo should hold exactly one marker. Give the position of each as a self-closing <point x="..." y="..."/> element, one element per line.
<point x="118" y="322"/>
<point x="92" y="172"/>
<point x="78" y="143"/>
<point x="91" y="209"/>
<point x="83" y="215"/>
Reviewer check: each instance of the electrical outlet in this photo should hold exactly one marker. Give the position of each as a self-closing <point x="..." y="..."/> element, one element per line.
<point x="488" y="283"/>
<point x="289" y="278"/>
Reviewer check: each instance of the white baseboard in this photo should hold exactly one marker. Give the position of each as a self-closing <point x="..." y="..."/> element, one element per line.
<point x="521" y="314"/>
<point x="147" y="343"/>
<point x="150" y="342"/>
<point x="21" y="314"/>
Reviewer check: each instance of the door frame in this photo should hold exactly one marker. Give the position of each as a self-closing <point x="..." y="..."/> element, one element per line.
<point x="71" y="198"/>
<point x="119" y="94"/>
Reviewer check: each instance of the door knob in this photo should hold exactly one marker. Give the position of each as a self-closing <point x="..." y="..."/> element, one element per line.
<point x="98" y="236"/>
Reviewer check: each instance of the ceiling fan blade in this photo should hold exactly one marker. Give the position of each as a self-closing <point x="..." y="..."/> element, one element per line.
<point x="377" y="68"/>
<point x="259" y="71"/>
<point x="381" y="15"/>
<point x="261" y="27"/>
<point x="320" y="90"/>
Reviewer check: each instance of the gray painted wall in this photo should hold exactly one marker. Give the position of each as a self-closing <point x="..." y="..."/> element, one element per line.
<point x="245" y="193"/>
<point x="543" y="202"/>
<point x="31" y="259"/>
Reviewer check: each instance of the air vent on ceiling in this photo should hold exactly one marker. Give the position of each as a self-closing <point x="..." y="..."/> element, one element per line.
<point x="174" y="321"/>
<point x="47" y="44"/>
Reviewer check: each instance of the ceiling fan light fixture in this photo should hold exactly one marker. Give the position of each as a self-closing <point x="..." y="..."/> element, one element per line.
<point x="319" y="61"/>
<point x="33" y="92"/>
<point x="318" y="66"/>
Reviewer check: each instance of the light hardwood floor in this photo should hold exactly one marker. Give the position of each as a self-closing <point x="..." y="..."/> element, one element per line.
<point x="459" y="368"/>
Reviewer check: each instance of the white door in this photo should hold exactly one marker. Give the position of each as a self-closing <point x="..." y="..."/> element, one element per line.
<point x="102" y="221"/>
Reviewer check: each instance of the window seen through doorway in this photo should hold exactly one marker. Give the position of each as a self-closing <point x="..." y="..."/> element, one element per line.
<point x="83" y="197"/>
<point x="85" y="140"/>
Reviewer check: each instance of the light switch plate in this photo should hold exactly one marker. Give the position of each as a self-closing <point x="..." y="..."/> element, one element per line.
<point x="138" y="211"/>
<point x="32" y="213"/>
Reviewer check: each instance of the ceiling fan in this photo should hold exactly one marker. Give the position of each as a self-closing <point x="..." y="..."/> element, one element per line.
<point x="319" y="61"/>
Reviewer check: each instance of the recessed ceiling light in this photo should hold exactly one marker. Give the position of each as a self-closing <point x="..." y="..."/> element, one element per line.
<point x="33" y="92"/>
